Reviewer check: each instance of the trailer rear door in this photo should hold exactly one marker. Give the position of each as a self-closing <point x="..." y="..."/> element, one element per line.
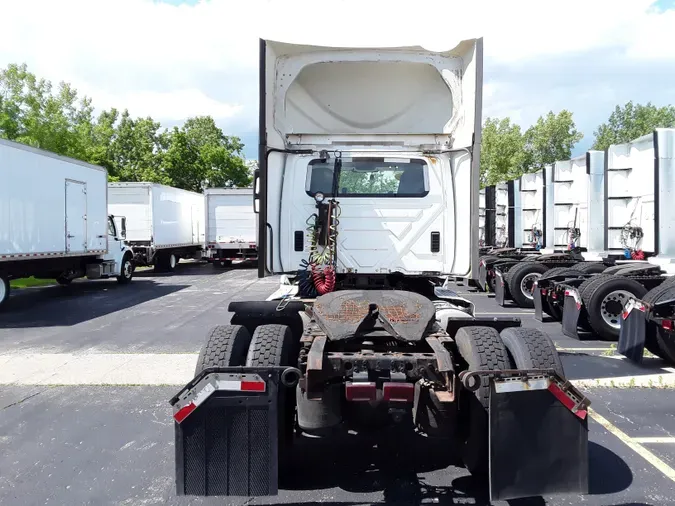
<point x="76" y="216"/>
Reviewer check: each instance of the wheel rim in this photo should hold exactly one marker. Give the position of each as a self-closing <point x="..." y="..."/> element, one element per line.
<point x="3" y="290"/>
<point x="172" y="261"/>
<point x="612" y="307"/>
<point x="527" y="284"/>
<point x="127" y="269"/>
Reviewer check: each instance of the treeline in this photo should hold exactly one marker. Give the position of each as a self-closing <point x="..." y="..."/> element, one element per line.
<point x="197" y="154"/>
<point x="507" y="152"/>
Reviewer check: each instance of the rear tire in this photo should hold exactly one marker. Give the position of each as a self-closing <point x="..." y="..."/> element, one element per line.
<point x="4" y="290"/>
<point x="590" y="267"/>
<point x="171" y="262"/>
<point x="520" y="279"/>
<point x="483" y="350"/>
<point x="605" y="299"/>
<point x="663" y="344"/>
<point x="64" y="281"/>
<point x="226" y="345"/>
<point x="532" y="349"/>
<point x="273" y="345"/>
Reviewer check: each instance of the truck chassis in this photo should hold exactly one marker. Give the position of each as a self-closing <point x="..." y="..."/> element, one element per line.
<point x="363" y="360"/>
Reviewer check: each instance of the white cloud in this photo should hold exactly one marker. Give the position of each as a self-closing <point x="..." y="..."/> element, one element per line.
<point x="171" y="61"/>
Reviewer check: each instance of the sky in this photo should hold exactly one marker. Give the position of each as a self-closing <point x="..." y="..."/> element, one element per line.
<point x="172" y="59"/>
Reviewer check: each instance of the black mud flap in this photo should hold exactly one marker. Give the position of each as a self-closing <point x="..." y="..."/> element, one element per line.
<point x="501" y="290"/>
<point x="571" y="311"/>
<point x="536" y="297"/>
<point x="633" y="333"/>
<point x="538" y="446"/>
<point x="226" y="433"/>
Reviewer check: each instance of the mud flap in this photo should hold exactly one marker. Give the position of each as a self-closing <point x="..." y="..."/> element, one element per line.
<point x="482" y="278"/>
<point x="536" y="297"/>
<point x="633" y="332"/>
<point x="538" y="446"/>
<point x="571" y="312"/>
<point x="501" y="290"/>
<point x="226" y="439"/>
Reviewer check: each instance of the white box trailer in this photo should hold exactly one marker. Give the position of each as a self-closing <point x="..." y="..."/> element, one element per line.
<point x="54" y="221"/>
<point x="164" y="224"/>
<point x="231" y="225"/>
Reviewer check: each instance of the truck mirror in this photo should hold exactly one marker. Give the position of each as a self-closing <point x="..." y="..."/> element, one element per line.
<point x="256" y="191"/>
<point x="120" y="227"/>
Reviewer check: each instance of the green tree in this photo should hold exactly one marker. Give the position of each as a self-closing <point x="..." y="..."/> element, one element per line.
<point x="502" y="151"/>
<point x="58" y="120"/>
<point x="199" y="153"/>
<point x="136" y="150"/>
<point x="550" y="139"/>
<point x="632" y="121"/>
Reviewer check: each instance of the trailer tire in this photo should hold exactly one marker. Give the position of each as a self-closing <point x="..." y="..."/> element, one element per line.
<point x="604" y="300"/>
<point x="520" y="278"/>
<point x="532" y="349"/>
<point x="226" y="345"/>
<point x="482" y="349"/>
<point x="126" y="270"/>
<point x="590" y="267"/>
<point x="4" y="290"/>
<point x="664" y="344"/>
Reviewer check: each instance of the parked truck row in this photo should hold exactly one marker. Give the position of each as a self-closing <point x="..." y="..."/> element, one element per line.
<point x="61" y="219"/>
<point x="607" y="249"/>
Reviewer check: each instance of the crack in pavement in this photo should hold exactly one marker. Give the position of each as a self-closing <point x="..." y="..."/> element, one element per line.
<point x="22" y="400"/>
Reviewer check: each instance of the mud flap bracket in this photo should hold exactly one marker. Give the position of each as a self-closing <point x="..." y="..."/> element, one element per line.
<point x="538" y="442"/>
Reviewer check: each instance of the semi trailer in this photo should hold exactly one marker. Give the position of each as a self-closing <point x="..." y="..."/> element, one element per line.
<point x="54" y="221"/>
<point x="231" y="225"/>
<point x="368" y="201"/>
<point x="164" y="224"/>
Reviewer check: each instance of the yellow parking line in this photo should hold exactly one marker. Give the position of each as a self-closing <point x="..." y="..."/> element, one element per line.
<point x="654" y="440"/>
<point x="633" y="444"/>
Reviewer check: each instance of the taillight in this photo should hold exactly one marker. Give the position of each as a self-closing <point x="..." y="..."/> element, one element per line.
<point x="667" y="325"/>
<point x="544" y="293"/>
<point x="398" y="392"/>
<point x="365" y="391"/>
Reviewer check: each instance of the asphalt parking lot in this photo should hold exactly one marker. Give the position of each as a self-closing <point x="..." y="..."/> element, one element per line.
<point x="86" y="372"/>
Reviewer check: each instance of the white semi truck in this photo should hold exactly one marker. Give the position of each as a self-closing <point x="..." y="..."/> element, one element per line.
<point x="54" y="221"/>
<point x="368" y="201"/>
<point x="231" y="225"/>
<point x="164" y="224"/>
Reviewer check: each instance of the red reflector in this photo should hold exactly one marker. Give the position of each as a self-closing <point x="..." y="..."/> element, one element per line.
<point x="253" y="386"/>
<point x="400" y="392"/>
<point x="667" y="324"/>
<point x="360" y="391"/>
<point x="566" y="401"/>
<point x="183" y="412"/>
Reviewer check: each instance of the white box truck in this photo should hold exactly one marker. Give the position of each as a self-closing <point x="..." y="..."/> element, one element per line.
<point x="54" y="221"/>
<point x="231" y="225"/>
<point x="164" y="224"/>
